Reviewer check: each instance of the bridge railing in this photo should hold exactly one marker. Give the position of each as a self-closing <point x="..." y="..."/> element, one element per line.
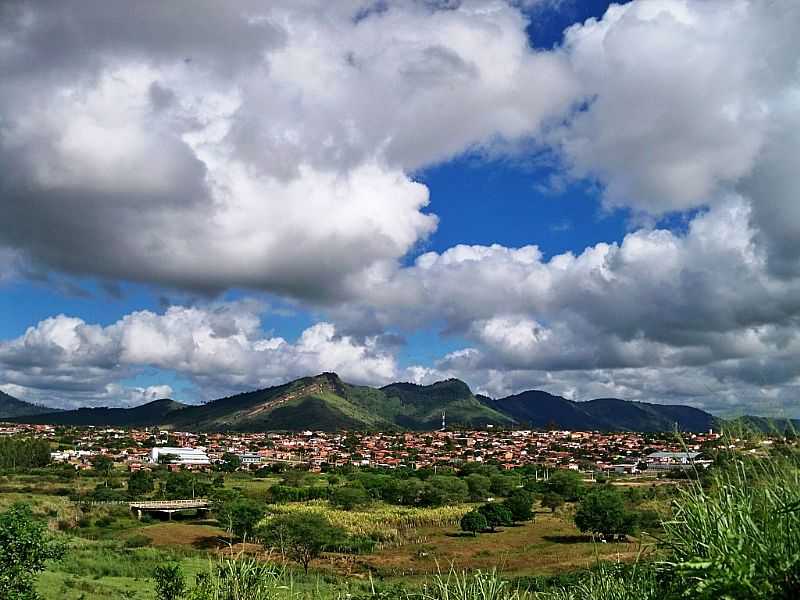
<point x="170" y="503"/>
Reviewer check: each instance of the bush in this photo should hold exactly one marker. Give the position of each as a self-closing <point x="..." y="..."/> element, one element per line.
<point x="474" y="522"/>
<point x="349" y="497"/>
<point x="520" y="504"/>
<point x="137" y="541"/>
<point x="496" y="515"/>
<point x="603" y="511"/>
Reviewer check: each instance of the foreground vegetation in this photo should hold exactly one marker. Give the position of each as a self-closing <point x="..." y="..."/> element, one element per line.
<point x="475" y="533"/>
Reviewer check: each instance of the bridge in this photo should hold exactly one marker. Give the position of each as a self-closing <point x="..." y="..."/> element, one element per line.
<point x="169" y="507"/>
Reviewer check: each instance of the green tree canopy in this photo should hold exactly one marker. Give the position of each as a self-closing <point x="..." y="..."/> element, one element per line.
<point x="496" y="515"/>
<point x="25" y="548"/>
<point x="183" y="485"/>
<point x="239" y="516"/>
<point x="552" y="501"/>
<point x="349" y="497"/>
<point x="567" y="484"/>
<point x="478" y="486"/>
<point x="140" y="483"/>
<point x="301" y="537"/>
<point x="230" y="462"/>
<point x="603" y="511"/>
<point x="520" y="504"/>
<point x="474" y="522"/>
<point x="170" y="582"/>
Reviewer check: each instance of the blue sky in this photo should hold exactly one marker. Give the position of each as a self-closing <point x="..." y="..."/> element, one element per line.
<point x="205" y="210"/>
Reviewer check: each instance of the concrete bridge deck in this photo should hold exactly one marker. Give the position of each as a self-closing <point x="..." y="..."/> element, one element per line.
<point x="169" y="506"/>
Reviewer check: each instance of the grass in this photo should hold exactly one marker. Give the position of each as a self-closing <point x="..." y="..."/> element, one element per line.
<point x="735" y="536"/>
<point x="388" y="524"/>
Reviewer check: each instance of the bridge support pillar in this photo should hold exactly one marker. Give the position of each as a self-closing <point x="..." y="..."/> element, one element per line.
<point x="139" y="514"/>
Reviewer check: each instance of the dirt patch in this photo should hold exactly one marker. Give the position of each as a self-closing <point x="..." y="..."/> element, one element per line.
<point x="185" y="534"/>
<point x="533" y="548"/>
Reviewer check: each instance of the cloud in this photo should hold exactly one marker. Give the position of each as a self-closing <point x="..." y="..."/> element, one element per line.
<point x="207" y="146"/>
<point x="64" y="361"/>
<point x="702" y="302"/>
<point x="274" y="147"/>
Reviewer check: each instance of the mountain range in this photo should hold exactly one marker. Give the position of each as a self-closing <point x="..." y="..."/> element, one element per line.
<point x="325" y="402"/>
<point x="12" y="407"/>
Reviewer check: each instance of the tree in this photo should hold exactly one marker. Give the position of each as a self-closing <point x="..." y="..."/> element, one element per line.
<point x="230" y="462"/>
<point x="349" y="497"/>
<point x="444" y="489"/>
<point x="552" y="501"/>
<point x="170" y="583"/>
<point x="474" y="522"/>
<point x="503" y="485"/>
<point x="103" y="466"/>
<point x="167" y="459"/>
<point x="24" y="549"/>
<point x="301" y="537"/>
<point x="520" y="504"/>
<point x="23" y="453"/>
<point x="496" y="515"/>
<point x="240" y="516"/>
<point x="183" y="485"/>
<point x="567" y="484"/>
<point x="140" y="483"/>
<point x="478" y="486"/>
<point x="603" y="511"/>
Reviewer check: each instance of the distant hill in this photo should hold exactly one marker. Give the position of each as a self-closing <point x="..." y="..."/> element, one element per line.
<point x="327" y="403"/>
<point x="540" y="409"/>
<point x="12" y="407"/>
<point x="765" y="424"/>
<point x="323" y="402"/>
<point x="146" y="415"/>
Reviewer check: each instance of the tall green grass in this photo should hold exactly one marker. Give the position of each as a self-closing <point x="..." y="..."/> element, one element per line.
<point x="740" y="539"/>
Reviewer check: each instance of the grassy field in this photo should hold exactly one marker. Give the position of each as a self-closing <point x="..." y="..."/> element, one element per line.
<point x="112" y="555"/>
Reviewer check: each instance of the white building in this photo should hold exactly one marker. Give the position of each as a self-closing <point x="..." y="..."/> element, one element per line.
<point x="187" y="457"/>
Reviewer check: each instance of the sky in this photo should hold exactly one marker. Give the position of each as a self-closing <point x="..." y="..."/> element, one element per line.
<point x="202" y="198"/>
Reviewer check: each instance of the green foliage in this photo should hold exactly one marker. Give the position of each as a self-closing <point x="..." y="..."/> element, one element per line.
<point x="603" y="511"/>
<point x="301" y="537"/>
<point x="102" y="465"/>
<point x="170" y="583"/>
<point x="477" y="585"/>
<point x="240" y="579"/>
<point x="478" y="486"/>
<point x="230" y="462"/>
<point x="444" y="489"/>
<point x="240" y="516"/>
<point x="741" y="537"/>
<point x="23" y="453"/>
<point x="140" y="483"/>
<point x="503" y="485"/>
<point x="552" y="501"/>
<point x="496" y="515"/>
<point x="520" y="504"/>
<point x="567" y="484"/>
<point x="278" y="494"/>
<point x="349" y="497"/>
<point x="183" y="485"/>
<point x="474" y="522"/>
<point x="25" y="548"/>
<point x="611" y="582"/>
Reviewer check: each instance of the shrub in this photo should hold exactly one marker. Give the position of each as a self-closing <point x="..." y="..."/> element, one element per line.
<point x="137" y="541"/>
<point x="349" y="497"/>
<point x="474" y="522"/>
<point x="520" y="504"/>
<point x="496" y="515"/>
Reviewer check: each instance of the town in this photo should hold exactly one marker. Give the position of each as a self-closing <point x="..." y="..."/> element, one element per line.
<point x="317" y="451"/>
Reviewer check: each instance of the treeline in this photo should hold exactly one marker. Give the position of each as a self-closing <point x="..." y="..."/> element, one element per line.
<point x="23" y="453"/>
